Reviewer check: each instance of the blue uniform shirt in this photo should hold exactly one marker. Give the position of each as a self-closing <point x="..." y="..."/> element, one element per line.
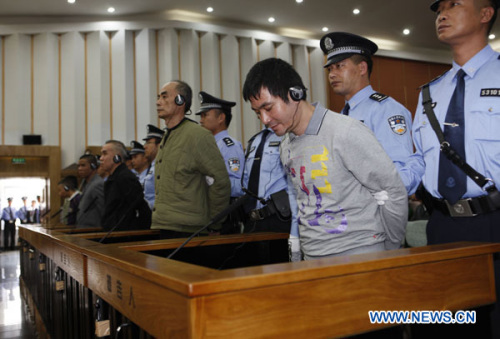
<point x="233" y="155"/>
<point x="22" y="214"/>
<point x="389" y="120"/>
<point x="482" y="124"/>
<point x="6" y="213"/>
<point x="148" y="184"/>
<point x="272" y="174"/>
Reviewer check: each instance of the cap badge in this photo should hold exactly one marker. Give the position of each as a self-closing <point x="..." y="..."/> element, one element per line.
<point x="329" y="44"/>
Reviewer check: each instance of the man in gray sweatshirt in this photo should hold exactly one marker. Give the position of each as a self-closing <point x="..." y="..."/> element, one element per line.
<point x="350" y="197"/>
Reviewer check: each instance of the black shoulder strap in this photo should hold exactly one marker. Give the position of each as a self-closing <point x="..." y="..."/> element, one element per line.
<point x="446" y="148"/>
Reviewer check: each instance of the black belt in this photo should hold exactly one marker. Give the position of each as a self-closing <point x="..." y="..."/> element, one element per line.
<point x="466" y="207"/>
<point x="261" y="213"/>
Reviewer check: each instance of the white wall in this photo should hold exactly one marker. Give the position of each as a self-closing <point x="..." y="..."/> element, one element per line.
<point x="89" y="82"/>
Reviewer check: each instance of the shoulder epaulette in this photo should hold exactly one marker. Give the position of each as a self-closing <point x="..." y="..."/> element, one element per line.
<point x="378" y="97"/>
<point x="435" y="79"/>
<point x="498" y="57"/>
<point x="228" y="141"/>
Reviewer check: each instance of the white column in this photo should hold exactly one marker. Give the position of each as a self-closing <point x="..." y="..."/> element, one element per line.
<point x="231" y="82"/>
<point x="301" y="65"/>
<point x="17" y="88"/>
<point x="190" y="65"/>
<point x="123" y="126"/>
<point x="318" y="90"/>
<point x="46" y="87"/>
<point x="210" y="81"/>
<point x="145" y="61"/>
<point x="72" y="98"/>
<point x="283" y="51"/>
<point x="248" y="57"/>
<point x="98" y="99"/>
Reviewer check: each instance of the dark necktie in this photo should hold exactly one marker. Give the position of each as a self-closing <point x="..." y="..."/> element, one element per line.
<point x="253" y="180"/>
<point x="11" y="214"/>
<point x="345" y="110"/>
<point x="452" y="181"/>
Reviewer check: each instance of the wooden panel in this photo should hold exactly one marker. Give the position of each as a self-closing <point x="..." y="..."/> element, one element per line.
<point x="392" y="78"/>
<point x="72" y="262"/>
<point x="415" y="75"/>
<point x="160" y="311"/>
<point x="339" y="306"/>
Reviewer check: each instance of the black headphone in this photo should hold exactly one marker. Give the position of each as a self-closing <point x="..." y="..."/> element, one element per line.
<point x="66" y="188"/>
<point x="179" y="100"/>
<point x="297" y="93"/>
<point x="93" y="166"/>
<point x="117" y="158"/>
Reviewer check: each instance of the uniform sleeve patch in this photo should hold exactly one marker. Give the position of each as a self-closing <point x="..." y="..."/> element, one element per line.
<point x="228" y="142"/>
<point x="378" y="97"/>
<point x="398" y="124"/>
<point x="234" y="164"/>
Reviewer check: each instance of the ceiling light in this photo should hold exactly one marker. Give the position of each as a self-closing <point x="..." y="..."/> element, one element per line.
<point x="71" y="1"/>
<point x="406" y="31"/>
<point x="111" y="10"/>
<point x="356" y="11"/>
<point x="299" y="1"/>
<point x="210" y="9"/>
<point x="325" y="29"/>
<point x="492" y="36"/>
<point x="271" y="19"/>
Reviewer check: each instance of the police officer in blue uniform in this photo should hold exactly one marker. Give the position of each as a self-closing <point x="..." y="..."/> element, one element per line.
<point x="215" y="115"/>
<point x="9" y="216"/>
<point x="23" y="213"/>
<point x="349" y="66"/>
<point x="151" y="146"/>
<point x="141" y="166"/>
<point x="466" y="102"/>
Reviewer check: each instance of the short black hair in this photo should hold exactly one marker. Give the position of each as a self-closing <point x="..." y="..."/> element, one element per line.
<point x="276" y="75"/>
<point x="227" y="114"/>
<point x="70" y="182"/>
<point x="185" y="90"/>
<point x="358" y="58"/>
<point x="91" y="159"/>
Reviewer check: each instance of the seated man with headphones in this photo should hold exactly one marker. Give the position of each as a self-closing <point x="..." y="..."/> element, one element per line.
<point x="192" y="184"/>
<point x="91" y="207"/>
<point x="350" y="197"/>
<point x="68" y="190"/>
<point x="124" y="205"/>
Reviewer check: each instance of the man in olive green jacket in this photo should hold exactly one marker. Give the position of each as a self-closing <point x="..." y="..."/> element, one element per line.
<point x="191" y="184"/>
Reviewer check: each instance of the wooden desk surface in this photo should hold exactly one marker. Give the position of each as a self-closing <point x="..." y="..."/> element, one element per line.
<point x="321" y="298"/>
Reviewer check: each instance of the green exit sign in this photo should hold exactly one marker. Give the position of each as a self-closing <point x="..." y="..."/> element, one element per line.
<point x="18" y="161"/>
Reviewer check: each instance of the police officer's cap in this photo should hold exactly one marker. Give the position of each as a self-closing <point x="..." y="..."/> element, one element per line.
<point x="136" y="147"/>
<point x="10" y="199"/>
<point x="154" y="132"/>
<point x="209" y="102"/>
<point x="435" y="5"/>
<point x="338" y="46"/>
<point x="24" y="198"/>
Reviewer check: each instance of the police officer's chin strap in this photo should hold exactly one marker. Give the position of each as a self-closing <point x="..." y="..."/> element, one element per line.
<point x="237" y="203"/>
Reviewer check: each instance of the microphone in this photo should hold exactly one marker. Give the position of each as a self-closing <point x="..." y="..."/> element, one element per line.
<point x="237" y="203"/>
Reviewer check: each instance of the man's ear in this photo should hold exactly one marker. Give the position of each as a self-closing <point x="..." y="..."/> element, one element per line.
<point x="363" y="68"/>
<point x="487" y="14"/>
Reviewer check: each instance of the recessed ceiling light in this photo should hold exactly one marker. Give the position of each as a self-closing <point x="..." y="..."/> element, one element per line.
<point x="210" y="9"/>
<point x="299" y="1"/>
<point x="356" y="11"/>
<point x="492" y="36"/>
<point x="325" y="29"/>
<point x="71" y="1"/>
<point x="111" y="10"/>
<point x="271" y="19"/>
<point x="406" y="31"/>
